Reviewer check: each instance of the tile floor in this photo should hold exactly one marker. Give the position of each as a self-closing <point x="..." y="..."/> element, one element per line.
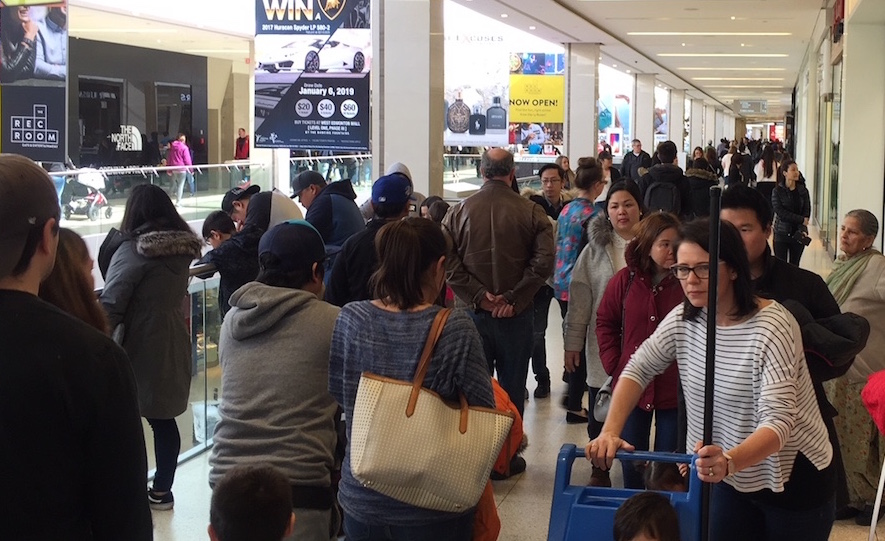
<point x="523" y="501"/>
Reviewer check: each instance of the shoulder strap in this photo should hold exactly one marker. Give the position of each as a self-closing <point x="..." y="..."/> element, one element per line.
<point x="424" y="363"/>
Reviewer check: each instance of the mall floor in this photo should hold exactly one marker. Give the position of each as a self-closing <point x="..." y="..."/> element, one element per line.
<point x="523" y="501"/>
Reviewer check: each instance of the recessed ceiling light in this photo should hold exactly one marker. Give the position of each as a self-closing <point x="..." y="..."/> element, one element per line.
<point x="503" y="15"/>
<point x="737" y="78"/>
<point x="614" y="65"/>
<point x="709" y="33"/>
<point x="733" y="17"/>
<point x="683" y="44"/>
<point x="531" y="28"/>
<point x="731" y="69"/>
<point x="744" y="86"/>
<point x="628" y="71"/>
<point x="729" y="55"/>
<point x="742" y="44"/>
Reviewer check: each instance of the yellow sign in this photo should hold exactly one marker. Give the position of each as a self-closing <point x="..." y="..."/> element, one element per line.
<point x="537" y="98"/>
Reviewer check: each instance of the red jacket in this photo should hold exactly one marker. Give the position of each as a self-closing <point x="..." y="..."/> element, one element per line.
<point x="642" y="307"/>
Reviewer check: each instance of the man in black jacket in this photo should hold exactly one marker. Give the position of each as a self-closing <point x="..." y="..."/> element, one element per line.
<point x="72" y="455"/>
<point x="634" y="160"/>
<point x="357" y="260"/>
<point x="668" y="172"/>
<point x="776" y="279"/>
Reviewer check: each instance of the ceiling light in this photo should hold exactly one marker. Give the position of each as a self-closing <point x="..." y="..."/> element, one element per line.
<point x="710" y="33"/>
<point x="614" y="65"/>
<point x="729" y="55"/>
<point x="531" y="28"/>
<point x="737" y="78"/>
<point x="733" y="17"/>
<point x="731" y="69"/>
<point x="742" y="44"/>
<point x="743" y="86"/>
<point x="503" y="15"/>
<point x="683" y="44"/>
<point x="628" y="71"/>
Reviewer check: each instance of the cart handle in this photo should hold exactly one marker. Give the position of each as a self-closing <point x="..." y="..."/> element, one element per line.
<point x="569" y="451"/>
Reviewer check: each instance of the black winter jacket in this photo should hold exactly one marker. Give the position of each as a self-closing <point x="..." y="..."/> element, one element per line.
<point x="700" y="181"/>
<point x="791" y="208"/>
<point x="667" y="172"/>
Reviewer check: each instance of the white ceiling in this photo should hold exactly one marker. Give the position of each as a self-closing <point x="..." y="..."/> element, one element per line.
<point x="719" y="80"/>
<point x="226" y="27"/>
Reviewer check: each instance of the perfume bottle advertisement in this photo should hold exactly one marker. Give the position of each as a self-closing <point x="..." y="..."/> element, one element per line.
<point x="312" y="73"/>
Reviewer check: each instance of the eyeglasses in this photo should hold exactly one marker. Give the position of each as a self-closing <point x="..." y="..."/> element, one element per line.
<point x="681" y="272"/>
<point x="550" y="180"/>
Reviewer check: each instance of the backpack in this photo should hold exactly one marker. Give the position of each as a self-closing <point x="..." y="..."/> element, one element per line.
<point x="663" y="196"/>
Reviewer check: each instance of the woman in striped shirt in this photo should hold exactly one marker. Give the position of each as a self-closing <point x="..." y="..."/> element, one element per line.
<point x="770" y="458"/>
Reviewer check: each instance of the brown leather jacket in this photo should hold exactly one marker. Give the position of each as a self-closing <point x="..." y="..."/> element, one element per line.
<point x="501" y="243"/>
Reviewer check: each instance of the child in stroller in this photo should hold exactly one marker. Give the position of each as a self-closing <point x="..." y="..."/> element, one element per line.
<point x="83" y="196"/>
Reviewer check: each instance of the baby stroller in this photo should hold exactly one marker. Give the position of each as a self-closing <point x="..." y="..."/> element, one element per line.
<point x="83" y="196"/>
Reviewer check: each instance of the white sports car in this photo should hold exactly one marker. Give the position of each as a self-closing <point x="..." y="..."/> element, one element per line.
<point x="316" y="56"/>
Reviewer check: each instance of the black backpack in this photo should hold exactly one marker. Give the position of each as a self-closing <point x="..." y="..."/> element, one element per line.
<point x="663" y="196"/>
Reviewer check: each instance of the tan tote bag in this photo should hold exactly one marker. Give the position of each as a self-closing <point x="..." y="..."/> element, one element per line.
<point x="408" y="443"/>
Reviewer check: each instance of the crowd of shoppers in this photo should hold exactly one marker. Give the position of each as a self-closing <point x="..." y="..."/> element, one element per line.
<point x="632" y="284"/>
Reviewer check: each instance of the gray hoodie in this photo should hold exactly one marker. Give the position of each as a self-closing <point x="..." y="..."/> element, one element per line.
<point x="276" y="408"/>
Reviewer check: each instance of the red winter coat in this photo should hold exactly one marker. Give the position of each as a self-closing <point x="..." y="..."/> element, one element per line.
<point x="642" y="308"/>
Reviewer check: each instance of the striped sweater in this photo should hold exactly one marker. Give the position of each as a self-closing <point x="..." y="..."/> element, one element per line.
<point x="761" y="381"/>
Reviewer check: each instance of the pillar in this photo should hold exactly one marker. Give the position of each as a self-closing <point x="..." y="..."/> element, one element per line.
<point x="862" y="140"/>
<point x="697" y="124"/>
<point x="644" y="111"/>
<point x="407" y="90"/>
<point x="582" y="93"/>
<point x="709" y="124"/>
<point x="676" y="118"/>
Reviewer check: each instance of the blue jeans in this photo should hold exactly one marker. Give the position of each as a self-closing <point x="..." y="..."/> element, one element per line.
<point x="459" y="528"/>
<point x="507" y="343"/>
<point x="637" y="430"/>
<point x="738" y="517"/>
<point x="539" y="345"/>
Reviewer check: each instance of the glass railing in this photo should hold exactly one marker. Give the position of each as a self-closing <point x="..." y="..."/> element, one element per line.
<point x="356" y="167"/>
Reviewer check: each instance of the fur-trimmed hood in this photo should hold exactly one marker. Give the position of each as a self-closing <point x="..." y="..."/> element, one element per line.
<point x="567" y="195"/>
<point x="600" y="231"/>
<point x="704" y="174"/>
<point x="168" y="243"/>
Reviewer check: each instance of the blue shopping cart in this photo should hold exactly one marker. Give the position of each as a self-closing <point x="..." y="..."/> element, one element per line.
<point x="588" y="513"/>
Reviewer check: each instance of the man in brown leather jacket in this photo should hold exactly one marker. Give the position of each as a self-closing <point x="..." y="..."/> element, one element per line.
<point x="501" y="254"/>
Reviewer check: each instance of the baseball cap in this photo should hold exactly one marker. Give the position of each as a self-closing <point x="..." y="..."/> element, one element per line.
<point x="235" y="194"/>
<point x="27" y="200"/>
<point x="395" y="189"/>
<point x="294" y="243"/>
<point x="304" y="179"/>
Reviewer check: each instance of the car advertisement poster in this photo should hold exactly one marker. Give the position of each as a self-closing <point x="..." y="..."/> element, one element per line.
<point x="312" y="65"/>
<point x="33" y="78"/>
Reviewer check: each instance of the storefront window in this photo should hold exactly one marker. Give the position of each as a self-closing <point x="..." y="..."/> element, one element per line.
<point x="174" y="110"/>
<point x="686" y="127"/>
<point x="662" y="115"/>
<point x="615" y="109"/>
<point x="99" y="118"/>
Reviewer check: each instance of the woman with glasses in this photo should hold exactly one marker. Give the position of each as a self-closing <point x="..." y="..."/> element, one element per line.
<point x="770" y="458"/>
<point x="635" y="301"/>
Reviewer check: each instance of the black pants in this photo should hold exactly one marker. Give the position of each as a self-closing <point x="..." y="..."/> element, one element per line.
<point x="539" y="345"/>
<point x="788" y="249"/>
<point x="577" y="380"/>
<point x="167" y="444"/>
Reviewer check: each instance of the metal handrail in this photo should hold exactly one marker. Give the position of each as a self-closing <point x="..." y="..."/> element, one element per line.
<point x="144" y="170"/>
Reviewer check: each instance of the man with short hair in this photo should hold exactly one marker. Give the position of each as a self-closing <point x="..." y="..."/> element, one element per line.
<point x="776" y="279"/>
<point x="635" y="160"/>
<point x="274" y="354"/>
<point x="552" y="199"/>
<point x="677" y="195"/>
<point x="415" y="202"/>
<point x="72" y="455"/>
<point x="357" y="260"/>
<point x="501" y="254"/>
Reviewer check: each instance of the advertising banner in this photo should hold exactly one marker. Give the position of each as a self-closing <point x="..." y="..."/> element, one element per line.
<point x="614" y="110"/>
<point x="537" y="100"/>
<point x="476" y="88"/>
<point x="312" y="65"/>
<point x="33" y="78"/>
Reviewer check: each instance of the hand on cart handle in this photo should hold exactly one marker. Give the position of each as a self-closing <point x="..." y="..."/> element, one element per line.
<point x="711" y="464"/>
<point x="601" y="451"/>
